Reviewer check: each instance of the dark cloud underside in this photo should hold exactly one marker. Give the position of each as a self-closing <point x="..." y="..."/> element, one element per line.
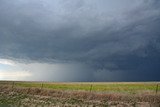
<point x="118" y="41"/>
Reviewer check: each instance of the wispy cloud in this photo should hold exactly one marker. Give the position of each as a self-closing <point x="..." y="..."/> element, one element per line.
<point x="7" y="62"/>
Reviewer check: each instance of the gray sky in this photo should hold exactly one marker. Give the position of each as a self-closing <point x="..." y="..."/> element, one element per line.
<point x="80" y="40"/>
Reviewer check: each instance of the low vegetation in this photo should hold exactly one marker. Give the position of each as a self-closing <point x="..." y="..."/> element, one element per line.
<point x="37" y="94"/>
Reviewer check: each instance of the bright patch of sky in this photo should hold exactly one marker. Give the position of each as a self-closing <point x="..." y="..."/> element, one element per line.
<point x="9" y="70"/>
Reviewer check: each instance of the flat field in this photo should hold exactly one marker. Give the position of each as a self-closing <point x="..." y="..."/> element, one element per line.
<point x="79" y="94"/>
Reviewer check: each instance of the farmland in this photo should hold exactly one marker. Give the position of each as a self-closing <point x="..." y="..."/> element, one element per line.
<point x="89" y="94"/>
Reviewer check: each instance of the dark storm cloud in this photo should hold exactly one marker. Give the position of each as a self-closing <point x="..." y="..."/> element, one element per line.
<point x="118" y="40"/>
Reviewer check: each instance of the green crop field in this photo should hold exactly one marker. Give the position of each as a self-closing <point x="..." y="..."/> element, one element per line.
<point x="129" y="87"/>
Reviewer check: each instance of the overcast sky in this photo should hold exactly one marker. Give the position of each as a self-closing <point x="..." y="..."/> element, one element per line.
<point x="80" y="40"/>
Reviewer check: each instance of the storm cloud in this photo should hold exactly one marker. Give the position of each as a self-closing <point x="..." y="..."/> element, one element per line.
<point x="89" y="40"/>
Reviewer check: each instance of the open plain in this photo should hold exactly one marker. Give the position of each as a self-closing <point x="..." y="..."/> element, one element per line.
<point x="79" y="94"/>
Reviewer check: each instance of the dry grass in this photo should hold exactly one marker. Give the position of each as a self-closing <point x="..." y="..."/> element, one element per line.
<point x="48" y="97"/>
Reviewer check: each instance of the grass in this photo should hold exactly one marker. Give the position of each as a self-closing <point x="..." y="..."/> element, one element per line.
<point x="126" y="87"/>
<point x="79" y="93"/>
